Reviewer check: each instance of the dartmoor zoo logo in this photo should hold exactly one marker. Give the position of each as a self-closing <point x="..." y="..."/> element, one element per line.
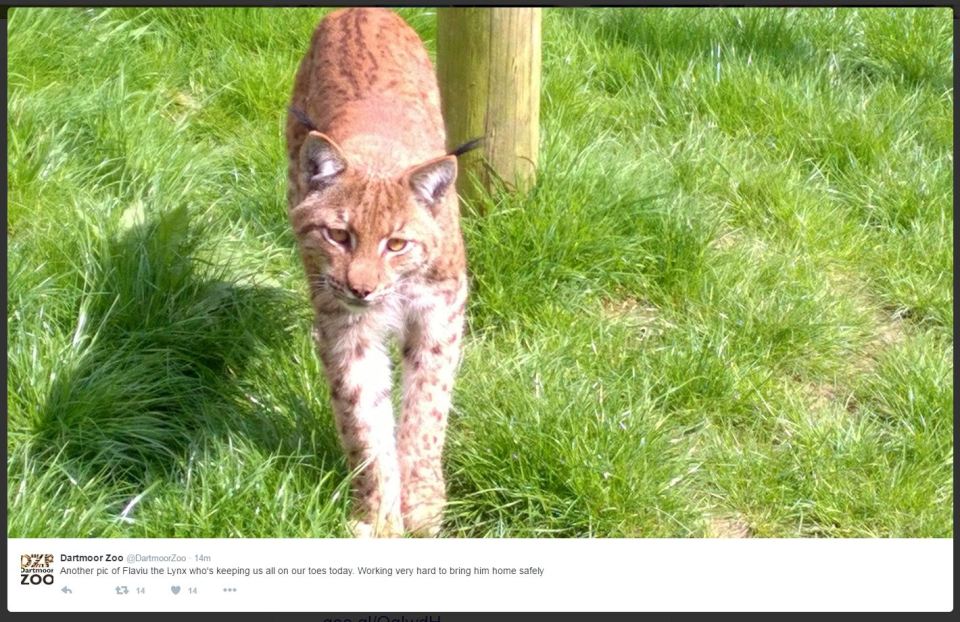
<point x="36" y="569"/>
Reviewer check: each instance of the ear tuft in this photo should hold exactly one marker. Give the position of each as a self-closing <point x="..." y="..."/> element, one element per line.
<point x="321" y="161"/>
<point x="431" y="181"/>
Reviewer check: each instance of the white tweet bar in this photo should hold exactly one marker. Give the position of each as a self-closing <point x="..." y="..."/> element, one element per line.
<point x="418" y="577"/>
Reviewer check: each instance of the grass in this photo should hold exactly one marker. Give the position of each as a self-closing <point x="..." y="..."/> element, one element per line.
<point x="726" y="301"/>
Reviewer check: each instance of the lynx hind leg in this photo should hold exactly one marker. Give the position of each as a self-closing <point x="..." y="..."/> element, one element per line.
<point x="431" y="354"/>
<point x="359" y="376"/>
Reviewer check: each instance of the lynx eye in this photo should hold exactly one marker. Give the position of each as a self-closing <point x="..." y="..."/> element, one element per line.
<point x="340" y="236"/>
<point x="395" y="245"/>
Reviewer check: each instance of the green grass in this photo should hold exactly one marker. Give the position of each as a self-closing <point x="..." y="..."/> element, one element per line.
<point x="726" y="301"/>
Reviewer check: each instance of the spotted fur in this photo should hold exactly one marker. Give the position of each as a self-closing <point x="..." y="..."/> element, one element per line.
<point x="367" y="165"/>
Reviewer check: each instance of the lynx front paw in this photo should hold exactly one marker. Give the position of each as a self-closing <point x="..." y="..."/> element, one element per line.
<point x="383" y="529"/>
<point x="424" y="519"/>
<point x="360" y="529"/>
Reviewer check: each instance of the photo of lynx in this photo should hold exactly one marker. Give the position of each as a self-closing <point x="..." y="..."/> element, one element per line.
<point x="373" y="205"/>
<point x="699" y="284"/>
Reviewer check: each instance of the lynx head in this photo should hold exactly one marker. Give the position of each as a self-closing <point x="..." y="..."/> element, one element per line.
<point x="363" y="235"/>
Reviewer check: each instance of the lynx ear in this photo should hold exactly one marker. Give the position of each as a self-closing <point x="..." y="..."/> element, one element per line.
<point x="431" y="181"/>
<point x="321" y="161"/>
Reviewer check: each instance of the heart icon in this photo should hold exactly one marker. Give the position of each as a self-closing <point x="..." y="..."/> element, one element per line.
<point x="175" y="589"/>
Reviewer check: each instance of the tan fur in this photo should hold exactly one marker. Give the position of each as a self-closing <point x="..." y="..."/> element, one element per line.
<point x="375" y="168"/>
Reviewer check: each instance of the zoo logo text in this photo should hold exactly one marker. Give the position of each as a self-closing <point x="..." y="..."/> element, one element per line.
<point x="35" y="569"/>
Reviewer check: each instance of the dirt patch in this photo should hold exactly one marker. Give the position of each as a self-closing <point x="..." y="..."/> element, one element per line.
<point x="751" y="245"/>
<point x="822" y="396"/>
<point x="727" y="239"/>
<point x="891" y="330"/>
<point x="888" y="331"/>
<point x="639" y="314"/>
<point x="889" y="324"/>
<point x="728" y="527"/>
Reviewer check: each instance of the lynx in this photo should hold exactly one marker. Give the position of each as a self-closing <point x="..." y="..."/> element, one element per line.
<point x="374" y="209"/>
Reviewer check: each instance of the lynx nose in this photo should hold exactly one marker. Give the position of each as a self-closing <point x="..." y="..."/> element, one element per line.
<point x="363" y="277"/>
<point x="360" y="292"/>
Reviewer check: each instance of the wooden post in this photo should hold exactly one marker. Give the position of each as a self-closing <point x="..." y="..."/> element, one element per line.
<point x="488" y="65"/>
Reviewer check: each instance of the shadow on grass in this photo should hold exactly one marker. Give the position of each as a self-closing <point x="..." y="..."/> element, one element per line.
<point x="164" y="335"/>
